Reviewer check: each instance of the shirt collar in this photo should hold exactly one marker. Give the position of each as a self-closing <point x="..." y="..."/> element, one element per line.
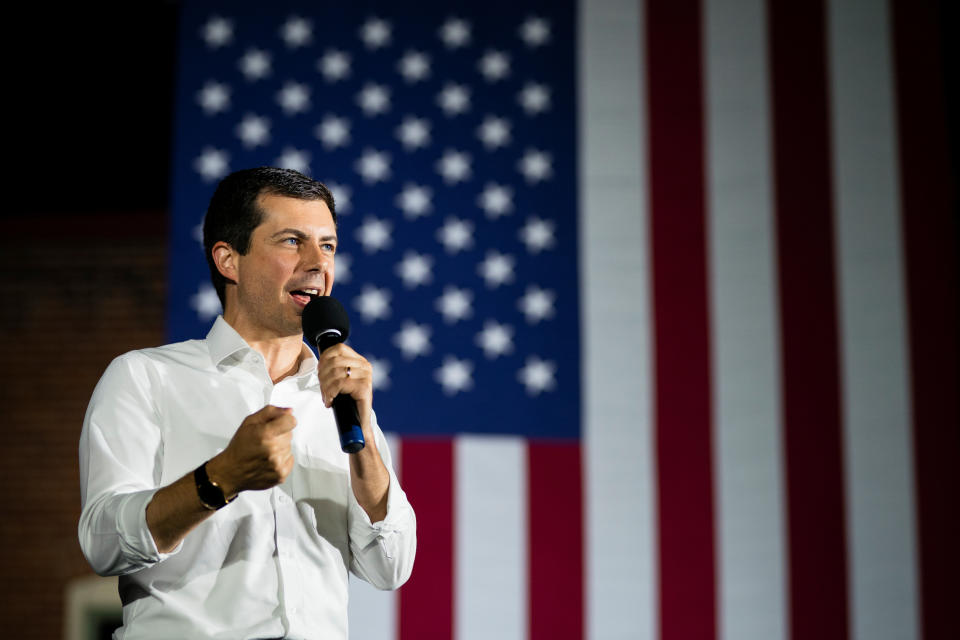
<point x="226" y="344"/>
<point x="224" y="341"/>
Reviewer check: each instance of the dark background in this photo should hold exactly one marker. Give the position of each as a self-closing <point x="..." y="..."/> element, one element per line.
<point x="91" y="91"/>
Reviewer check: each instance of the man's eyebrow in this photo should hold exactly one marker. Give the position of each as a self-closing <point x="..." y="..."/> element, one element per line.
<point x="300" y="234"/>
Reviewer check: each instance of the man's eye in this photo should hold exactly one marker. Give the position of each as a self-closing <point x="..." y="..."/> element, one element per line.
<point x="292" y="240"/>
<point x="330" y="247"/>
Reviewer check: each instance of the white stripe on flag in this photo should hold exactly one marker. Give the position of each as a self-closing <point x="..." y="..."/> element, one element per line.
<point x="879" y="476"/>
<point x="373" y="613"/>
<point x="751" y="598"/>
<point x="620" y="566"/>
<point x="491" y="538"/>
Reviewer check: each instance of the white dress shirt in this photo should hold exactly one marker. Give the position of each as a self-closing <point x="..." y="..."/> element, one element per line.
<point x="270" y="564"/>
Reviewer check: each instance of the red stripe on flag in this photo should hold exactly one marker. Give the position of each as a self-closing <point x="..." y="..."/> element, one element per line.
<point x="681" y="323"/>
<point x="426" y="600"/>
<point x="808" y="318"/>
<point x="930" y="236"/>
<point x="556" y="541"/>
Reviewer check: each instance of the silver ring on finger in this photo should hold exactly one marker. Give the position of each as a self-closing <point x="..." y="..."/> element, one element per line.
<point x="348" y="372"/>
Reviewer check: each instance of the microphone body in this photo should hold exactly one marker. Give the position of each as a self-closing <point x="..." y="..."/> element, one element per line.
<point x="325" y="324"/>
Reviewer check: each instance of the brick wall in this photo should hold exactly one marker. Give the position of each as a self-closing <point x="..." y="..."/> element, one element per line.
<point x="75" y="292"/>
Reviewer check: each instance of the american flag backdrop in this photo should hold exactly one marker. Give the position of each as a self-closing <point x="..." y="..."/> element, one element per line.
<point x="657" y="293"/>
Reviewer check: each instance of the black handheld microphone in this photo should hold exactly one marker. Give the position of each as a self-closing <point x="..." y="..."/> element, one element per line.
<point x="325" y="323"/>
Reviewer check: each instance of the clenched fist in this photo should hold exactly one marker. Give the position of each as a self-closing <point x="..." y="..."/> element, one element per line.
<point x="259" y="454"/>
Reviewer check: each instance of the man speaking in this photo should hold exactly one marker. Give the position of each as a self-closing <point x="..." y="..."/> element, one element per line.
<point x="212" y="475"/>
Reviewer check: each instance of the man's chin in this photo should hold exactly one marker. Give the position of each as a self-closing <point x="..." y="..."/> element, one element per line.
<point x="293" y="323"/>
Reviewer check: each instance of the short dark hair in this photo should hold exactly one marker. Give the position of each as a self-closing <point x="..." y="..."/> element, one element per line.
<point x="234" y="213"/>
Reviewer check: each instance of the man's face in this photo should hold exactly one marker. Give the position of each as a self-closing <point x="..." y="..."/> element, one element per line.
<point x="289" y="261"/>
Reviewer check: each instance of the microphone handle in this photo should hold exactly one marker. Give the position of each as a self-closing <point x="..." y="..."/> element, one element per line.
<point x="344" y="406"/>
<point x="348" y="423"/>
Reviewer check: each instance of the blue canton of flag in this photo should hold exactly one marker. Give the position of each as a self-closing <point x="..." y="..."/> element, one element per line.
<point x="447" y="135"/>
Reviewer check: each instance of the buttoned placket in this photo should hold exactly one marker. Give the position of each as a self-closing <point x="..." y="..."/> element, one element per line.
<point x="286" y="517"/>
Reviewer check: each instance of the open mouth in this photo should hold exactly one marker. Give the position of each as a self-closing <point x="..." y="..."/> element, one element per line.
<point x="303" y="296"/>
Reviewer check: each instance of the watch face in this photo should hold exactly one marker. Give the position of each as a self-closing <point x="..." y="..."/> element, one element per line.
<point x="210" y="494"/>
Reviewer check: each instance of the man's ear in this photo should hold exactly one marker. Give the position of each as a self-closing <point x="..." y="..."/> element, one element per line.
<point x="225" y="257"/>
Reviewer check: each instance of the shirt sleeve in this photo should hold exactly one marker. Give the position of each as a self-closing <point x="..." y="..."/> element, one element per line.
<point x="120" y="451"/>
<point x="383" y="552"/>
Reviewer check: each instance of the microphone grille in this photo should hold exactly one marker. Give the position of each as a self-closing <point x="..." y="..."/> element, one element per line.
<point x="322" y="314"/>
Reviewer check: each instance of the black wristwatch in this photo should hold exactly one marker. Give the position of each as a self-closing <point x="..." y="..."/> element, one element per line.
<point x="210" y="493"/>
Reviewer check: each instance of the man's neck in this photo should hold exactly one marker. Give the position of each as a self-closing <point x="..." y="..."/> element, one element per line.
<point x="281" y="354"/>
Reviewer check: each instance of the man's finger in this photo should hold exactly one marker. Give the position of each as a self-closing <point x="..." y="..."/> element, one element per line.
<point x="337" y="351"/>
<point x="269" y="412"/>
<point x="282" y="423"/>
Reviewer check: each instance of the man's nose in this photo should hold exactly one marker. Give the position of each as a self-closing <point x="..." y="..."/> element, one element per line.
<point x="315" y="259"/>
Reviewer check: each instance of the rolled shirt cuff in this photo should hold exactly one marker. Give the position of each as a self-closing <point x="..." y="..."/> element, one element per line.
<point x="136" y="541"/>
<point x="399" y="517"/>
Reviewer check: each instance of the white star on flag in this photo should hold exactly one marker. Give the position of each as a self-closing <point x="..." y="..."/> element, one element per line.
<point x="455" y="33"/>
<point x="455" y="375"/>
<point x="294" y="98"/>
<point x="413" y="339"/>
<point x="380" y="369"/>
<point x="496" y="269"/>
<point x="535" y="32"/>
<point x="333" y="132"/>
<point x="454" y="99"/>
<point x="414" y="66"/>
<point x="495" y="339"/>
<point x="205" y="302"/>
<point x="537" y="304"/>
<point x="537" y="375"/>
<point x="414" y="269"/>
<point x="494" y="132"/>
<point x="375" y="33"/>
<point x="494" y="65"/>
<point x="295" y="159"/>
<point x="413" y="133"/>
<point x="296" y="32"/>
<point x="373" y="166"/>
<point x="334" y="65"/>
<point x="341" y="267"/>
<point x="414" y="201"/>
<point x="455" y="235"/>
<point x="253" y="131"/>
<point x="496" y="200"/>
<point x="535" y="166"/>
<point x="537" y="234"/>
<point x="212" y="164"/>
<point x="217" y="32"/>
<point x="374" y="234"/>
<point x="454" y="304"/>
<point x="373" y="303"/>
<point x="534" y="98"/>
<point x="454" y="166"/>
<point x="214" y="97"/>
<point x="341" y="196"/>
<point x="373" y="99"/>
<point x="255" y="65"/>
